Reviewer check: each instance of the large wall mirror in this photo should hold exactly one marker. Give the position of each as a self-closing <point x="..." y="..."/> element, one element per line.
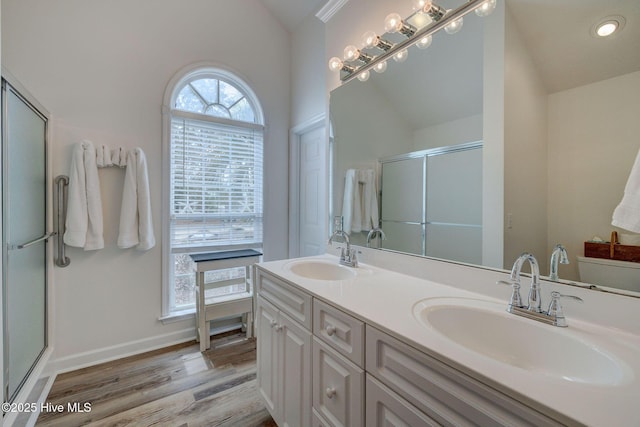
<point x="570" y="136"/>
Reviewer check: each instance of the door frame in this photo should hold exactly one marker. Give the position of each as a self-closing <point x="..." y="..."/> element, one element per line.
<point x="39" y="367"/>
<point x="295" y="135"/>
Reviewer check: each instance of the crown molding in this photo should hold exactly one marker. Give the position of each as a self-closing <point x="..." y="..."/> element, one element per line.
<point x="330" y="9"/>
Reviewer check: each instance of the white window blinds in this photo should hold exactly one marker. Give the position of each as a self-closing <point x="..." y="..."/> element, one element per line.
<point x="216" y="185"/>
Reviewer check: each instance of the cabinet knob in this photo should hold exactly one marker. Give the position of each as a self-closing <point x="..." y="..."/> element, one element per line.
<point x="278" y="328"/>
<point x="273" y="323"/>
<point x="330" y="392"/>
<point x="330" y="330"/>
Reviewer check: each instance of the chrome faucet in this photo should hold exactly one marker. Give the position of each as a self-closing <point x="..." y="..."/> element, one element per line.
<point x="534" y="290"/>
<point x="347" y="256"/>
<point x="372" y="233"/>
<point x="559" y="254"/>
<point x="554" y="315"/>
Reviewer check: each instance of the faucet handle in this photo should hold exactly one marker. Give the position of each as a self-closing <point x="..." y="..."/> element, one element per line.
<point x="555" y="309"/>
<point x="516" y="299"/>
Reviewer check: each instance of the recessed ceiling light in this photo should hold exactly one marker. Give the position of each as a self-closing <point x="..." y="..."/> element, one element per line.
<point x="607" y="28"/>
<point x="609" y="25"/>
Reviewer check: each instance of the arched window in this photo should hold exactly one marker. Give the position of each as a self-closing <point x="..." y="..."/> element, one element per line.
<point x="215" y="180"/>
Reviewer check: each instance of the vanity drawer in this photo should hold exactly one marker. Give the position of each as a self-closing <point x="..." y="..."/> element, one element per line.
<point x="338" y="388"/>
<point x="443" y="393"/>
<point x="340" y="330"/>
<point x="289" y="299"/>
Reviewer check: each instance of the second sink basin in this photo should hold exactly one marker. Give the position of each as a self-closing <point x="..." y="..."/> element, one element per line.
<point x="321" y="270"/>
<point x="486" y="328"/>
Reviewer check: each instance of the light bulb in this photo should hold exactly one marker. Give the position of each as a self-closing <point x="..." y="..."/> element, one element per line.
<point x="418" y="5"/>
<point x="335" y="64"/>
<point x="401" y="56"/>
<point x="351" y="53"/>
<point x="392" y="23"/>
<point x="363" y="76"/>
<point x="607" y="28"/>
<point x="433" y="10"/>
<point x="424" y="42"/>
<point x="369" y="39"/>
<point x="453" y="26"/>
<point x="486" y="8"/>
<point x="380" y="67"/>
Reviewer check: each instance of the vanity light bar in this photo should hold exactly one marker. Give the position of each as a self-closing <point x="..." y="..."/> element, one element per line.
<point x="440" y="20"/>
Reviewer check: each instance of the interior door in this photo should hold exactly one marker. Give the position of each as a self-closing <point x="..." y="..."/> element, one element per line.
<point x="313" y="189"/>
<point x="24" y="237"/>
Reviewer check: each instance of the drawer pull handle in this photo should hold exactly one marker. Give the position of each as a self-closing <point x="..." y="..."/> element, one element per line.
<point x="330" y="392"/>
<point x="331" y="330"/>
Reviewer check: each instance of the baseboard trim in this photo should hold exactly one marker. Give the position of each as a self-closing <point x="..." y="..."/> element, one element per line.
<point x="131" y="348"/>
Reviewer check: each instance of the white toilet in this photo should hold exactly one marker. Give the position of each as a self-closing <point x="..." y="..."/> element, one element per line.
<point x="607" y="272"/>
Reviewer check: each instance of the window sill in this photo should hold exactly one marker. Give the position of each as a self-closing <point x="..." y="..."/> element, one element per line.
<point x="178" y="316"/>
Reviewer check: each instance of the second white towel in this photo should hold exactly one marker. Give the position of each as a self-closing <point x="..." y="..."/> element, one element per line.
<point x="136" y="222"/>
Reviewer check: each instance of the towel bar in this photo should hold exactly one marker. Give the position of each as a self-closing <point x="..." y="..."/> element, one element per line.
<point x="61" y="185"/>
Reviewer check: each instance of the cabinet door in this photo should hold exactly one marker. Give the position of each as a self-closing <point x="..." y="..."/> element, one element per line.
<point x="295" y="365"/>
<point x="268" y="376"/>
<point x="338" y="387"/>
<point x="386" y="409"/>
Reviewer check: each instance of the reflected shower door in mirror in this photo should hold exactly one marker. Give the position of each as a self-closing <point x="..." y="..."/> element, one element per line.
<point x="559" y="125"/>
<point x="431" y="203"/>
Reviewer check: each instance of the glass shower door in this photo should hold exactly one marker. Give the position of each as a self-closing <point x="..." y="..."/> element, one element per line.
<point x="24" y="235"/>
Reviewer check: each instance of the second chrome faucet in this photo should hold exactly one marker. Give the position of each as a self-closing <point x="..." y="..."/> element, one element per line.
<point x="533" y="310"/>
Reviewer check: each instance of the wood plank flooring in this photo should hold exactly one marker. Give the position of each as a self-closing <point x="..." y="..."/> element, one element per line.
<point x="175" y="386"/>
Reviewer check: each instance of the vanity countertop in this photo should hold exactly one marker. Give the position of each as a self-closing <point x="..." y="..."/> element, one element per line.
<point x="386" y="299"/>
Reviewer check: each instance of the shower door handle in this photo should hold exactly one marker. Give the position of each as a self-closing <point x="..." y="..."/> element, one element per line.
<point x="34" y="241"/>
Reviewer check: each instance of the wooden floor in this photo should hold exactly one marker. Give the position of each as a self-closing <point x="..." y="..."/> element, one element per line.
<point x="176" y="386"/>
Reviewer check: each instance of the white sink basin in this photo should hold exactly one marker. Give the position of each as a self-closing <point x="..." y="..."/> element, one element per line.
<point x="485" y="327"/>
<point x="321" y="270"/>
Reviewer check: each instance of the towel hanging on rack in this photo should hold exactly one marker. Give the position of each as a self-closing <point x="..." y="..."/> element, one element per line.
<point x="84" y="226"/>
<point x="103" y="156"/>
<point x="136" y="222"/>
<point x="84" y="207"/>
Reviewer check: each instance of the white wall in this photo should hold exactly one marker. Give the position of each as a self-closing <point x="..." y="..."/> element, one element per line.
<point x="308" y="79"/>
<point x="525" y="158"/>
<point x="467" y="129"/>
<point x="593" y="142"/>
<point x="101" y="68"/>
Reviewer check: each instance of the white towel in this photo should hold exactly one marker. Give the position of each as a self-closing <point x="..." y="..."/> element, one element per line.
<point x="360" y="201"/>
<point x="370" y="217"/>
<point x="84" y="206"/>
<point x="627" y="214"/>
<point x="136" y="223"/>
<point x="119" y="157"/>
<point x="103" y="156"/>
<point x="348" y="199"/>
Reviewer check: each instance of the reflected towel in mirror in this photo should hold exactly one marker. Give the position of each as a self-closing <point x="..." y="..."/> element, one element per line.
<point x="627" y="214"/>
<point x="360" y="202"/>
